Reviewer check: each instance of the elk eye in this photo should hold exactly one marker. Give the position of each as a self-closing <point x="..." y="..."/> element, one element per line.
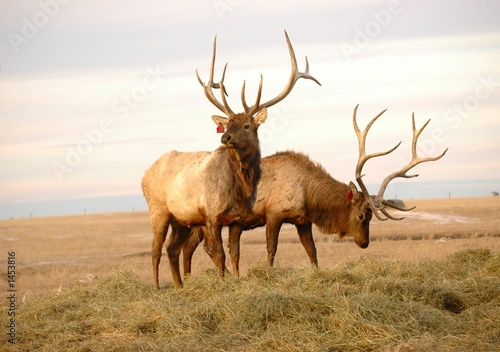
<point x="361" y="217"/>
<point x="247" y="126"/>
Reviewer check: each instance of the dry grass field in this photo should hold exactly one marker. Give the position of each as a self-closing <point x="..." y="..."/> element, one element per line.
<point x="60" y="252"/>
<point x="438" y="270"/>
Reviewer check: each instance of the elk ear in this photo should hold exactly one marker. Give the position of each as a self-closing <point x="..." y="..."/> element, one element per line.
<point x="260" y="117"/>
<point x="220" y="120"/>
<point x="353" y="194"/>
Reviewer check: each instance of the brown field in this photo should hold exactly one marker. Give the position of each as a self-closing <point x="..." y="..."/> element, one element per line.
<point x="61" y="252"/>
<point x="428" y="283"/>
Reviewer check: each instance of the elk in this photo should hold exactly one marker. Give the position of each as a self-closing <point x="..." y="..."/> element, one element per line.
<point x="293" y="189"/>
<point x="213" y="189"/>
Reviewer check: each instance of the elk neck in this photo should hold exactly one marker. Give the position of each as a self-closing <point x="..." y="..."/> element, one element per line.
<point x="328" y="205"/>
<point x="246" y="173"/>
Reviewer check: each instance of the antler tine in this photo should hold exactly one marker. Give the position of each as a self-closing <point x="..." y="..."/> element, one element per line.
<point x="223" y="94"/>
<point x="248" y="110"/>
<point x="214" y="85"/>
<point x="199" y="79"/>
<point x="294" y="77"/>
<point x="243" y="101"/>
<point x="207" y="88"/>
<point x="306" y="74"/>
<point x="210" y="78"/>
<point x="413" y="162"/>
<point x="381" y="209"/>
<point x="223" y="76"/>
<point x="392" y="205"/>
<point x="297" y="74"/>
<point x="388" y="216"/>
<point x="363" y="157"/>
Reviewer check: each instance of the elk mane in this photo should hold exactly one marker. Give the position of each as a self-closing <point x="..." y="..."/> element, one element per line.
<point x="326" y="197"/>
<point x="246" y="175"/>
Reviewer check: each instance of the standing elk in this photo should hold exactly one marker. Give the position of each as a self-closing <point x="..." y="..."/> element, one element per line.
<point x="213" y="189"/>
<point x="293" y="189"/>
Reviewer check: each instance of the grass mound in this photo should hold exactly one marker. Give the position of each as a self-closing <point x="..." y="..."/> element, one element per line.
<point x="370" y="304"/>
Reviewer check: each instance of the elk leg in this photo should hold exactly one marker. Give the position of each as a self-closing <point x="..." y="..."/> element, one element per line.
<point x="234" y="247"/>
<point x="160" y="223"/>
<point x="272" y="232"/>
<point x="194" y="239"/>
<point x="207" y="247"/>
<point x="175" y="243"/>
<point x="213" y="246"/>
<point x="306" y="237"/>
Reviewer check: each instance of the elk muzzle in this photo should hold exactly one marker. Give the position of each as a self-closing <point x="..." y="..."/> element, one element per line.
<point x="226" y="139"/>
<point x="362" y="244"/>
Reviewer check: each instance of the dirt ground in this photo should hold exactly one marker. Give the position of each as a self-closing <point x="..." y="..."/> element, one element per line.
<point x="56" y="253"/>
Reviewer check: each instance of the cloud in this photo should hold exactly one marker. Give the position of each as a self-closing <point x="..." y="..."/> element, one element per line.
<point x="83" y="65"/>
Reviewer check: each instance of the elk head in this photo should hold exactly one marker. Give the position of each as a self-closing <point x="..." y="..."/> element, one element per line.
<point x="364" y="205"/>
<point x="241" y="129"/>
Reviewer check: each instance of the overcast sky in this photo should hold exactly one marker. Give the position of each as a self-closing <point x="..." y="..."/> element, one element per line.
<point x="93" y="92"/>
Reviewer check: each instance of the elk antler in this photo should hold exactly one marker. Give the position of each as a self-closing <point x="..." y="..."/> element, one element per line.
<point x="363" y="158"/>
<point x="402" y="173"/>
<point x="207" y="88"/>
<point x="294" y="76"/>
<point x="378" y="203"/>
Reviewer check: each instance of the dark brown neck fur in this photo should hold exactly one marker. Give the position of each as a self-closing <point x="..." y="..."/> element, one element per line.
<point x="246" y="175"/>
<point x="328" y="203"/>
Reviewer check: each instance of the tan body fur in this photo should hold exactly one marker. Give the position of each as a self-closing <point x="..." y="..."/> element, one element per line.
<point x="293" y="189"/>
<point x="213" y="189"/>
<point x="185" y="183"/>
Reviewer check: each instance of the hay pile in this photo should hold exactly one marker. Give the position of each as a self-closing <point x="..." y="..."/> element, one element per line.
<point x="370" y="304"/>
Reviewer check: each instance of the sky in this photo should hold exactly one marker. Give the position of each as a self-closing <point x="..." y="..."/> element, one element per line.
<point x="93" y="92"/>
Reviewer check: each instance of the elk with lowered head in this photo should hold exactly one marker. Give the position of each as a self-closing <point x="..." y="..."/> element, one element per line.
<point x="293" y="189"/>
<point x="213" y="189"/>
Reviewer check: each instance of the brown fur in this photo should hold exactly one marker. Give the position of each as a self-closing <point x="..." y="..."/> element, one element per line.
<point x="293" y="189"/>
<point x="326" y="204"/>
<point x="215" y="194"/>
<point x="215" y="189"/>
<point x="246" y="174"/>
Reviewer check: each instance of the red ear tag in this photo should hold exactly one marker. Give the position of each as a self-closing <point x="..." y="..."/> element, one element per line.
<point x="220" y="128"/>
<point x="350" y="195"/>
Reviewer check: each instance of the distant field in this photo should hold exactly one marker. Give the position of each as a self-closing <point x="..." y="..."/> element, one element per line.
<point x="58" y="253"/>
